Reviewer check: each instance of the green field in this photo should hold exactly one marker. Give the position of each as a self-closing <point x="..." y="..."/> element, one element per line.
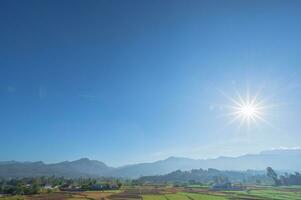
<point x="169" y="193"/>
<point x="276" y="194"/>
<point x="253" y="195"/>
<point x="182" y="196"/>
<point x="290" y="193"/>
<point x="204" y="197"/>
<point x="154" y="197"/>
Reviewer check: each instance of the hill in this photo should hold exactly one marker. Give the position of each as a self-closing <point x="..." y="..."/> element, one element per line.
<point x="82" y="167"/>
<point x="208" y="176"/>
<point x="285" y="160"/>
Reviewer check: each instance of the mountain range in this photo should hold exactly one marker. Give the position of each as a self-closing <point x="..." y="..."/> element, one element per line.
<point x="285" y="160"/>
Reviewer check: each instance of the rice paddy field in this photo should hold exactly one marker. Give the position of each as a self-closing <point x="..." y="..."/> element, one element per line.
<point x="170" y="193"/>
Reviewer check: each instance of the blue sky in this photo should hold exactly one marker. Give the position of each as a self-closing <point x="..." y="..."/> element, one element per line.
<point x="135" y="81"/>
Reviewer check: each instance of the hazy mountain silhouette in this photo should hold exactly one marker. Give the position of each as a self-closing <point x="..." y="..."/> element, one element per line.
<point x="287" y="160"/>
<point x="82" y="167"/>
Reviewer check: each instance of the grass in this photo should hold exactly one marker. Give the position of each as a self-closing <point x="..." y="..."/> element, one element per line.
<point x="183" y="196"/>
<point x="271" y="193"/>
<point x="255" y="193"/>
<point x="154" y="197"/>
<point x="276" y="194"/>
<point x="204" y="196"/>
<point x="177" y="196"/>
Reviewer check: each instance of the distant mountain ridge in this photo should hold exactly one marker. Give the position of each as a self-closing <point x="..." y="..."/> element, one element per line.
<point x="286" y="160"/>
<point x="207" y="176"/>
<point x="82" y="167"/>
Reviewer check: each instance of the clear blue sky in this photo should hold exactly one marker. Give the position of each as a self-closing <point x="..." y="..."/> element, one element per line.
<point x="132" y="81"/>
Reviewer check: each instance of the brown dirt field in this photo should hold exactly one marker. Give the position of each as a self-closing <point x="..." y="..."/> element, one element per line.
<point x="130" y="194"/>
<point x="97" y="195"/>
<point x="70" y="196"/>
<point x="50" y="196"/>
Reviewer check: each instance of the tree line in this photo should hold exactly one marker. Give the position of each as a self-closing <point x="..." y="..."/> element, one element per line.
<point x="27" y="186"/>
<point x="285" y="179"/>
<point x="208" y="177"/>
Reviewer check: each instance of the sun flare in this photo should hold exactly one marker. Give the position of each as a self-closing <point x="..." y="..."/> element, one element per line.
<point x="247" y="110"/>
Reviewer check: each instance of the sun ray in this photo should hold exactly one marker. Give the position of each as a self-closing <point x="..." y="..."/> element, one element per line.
<point x="237" y="103"/>
<point x="247" y="109"/>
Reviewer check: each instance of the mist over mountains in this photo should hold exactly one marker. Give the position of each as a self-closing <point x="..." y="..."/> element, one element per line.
<point x="285" y="160"/>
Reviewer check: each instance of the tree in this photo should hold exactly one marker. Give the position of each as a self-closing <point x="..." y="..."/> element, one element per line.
<point x="272" y="174"/>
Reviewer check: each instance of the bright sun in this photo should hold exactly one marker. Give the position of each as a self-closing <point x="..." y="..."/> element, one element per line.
<point x="247" y="110"/>
<point x="250" y="111"/>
